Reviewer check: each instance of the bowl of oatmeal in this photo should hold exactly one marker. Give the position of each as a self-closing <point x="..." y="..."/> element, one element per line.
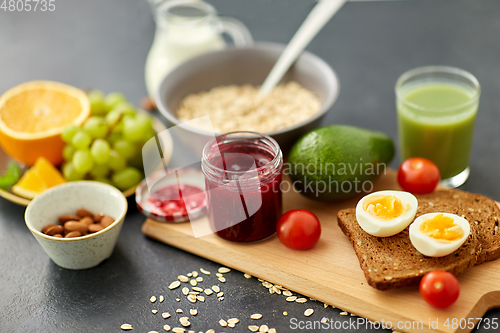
<point x="217" y="93"/>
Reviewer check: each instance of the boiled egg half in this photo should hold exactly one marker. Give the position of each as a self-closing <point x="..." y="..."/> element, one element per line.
<point x="385" y="213"/>
<point x="438" y="234"/>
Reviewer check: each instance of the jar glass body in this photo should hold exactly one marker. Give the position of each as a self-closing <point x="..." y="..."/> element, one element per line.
<point x="243" y="185"/>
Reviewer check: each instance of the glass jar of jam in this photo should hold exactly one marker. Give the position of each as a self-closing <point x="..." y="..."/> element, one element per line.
<point x="243" y="185"/>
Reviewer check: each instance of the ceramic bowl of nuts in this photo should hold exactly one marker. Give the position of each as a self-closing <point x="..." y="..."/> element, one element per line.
<point x="224" y="86"/>
<point x="77" y="223"/>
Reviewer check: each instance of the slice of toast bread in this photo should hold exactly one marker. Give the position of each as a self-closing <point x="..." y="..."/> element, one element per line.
<point x="393" y="262"/>
<point x="483" y="210"/>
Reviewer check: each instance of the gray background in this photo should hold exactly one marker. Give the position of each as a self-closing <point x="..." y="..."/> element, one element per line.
<point x="103" y="45"/>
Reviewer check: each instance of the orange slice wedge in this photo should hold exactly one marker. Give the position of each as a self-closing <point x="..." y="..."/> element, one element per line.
<point x="40" y="177"/>
<point x="33" y="115"/>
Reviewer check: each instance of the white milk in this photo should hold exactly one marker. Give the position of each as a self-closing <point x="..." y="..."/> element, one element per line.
<point x="184" y="29"/>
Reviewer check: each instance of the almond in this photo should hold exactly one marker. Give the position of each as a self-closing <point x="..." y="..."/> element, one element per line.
<point x="82" y="212"/>
<point x="68" y="217"/>
<point x="106" y="221"/>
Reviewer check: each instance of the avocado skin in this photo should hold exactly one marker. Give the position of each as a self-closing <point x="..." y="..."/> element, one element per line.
<point x="341" y="145"/>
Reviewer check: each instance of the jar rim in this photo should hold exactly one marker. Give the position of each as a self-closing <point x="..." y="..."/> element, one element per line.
<point x="251" y="135"/>
<point x="442" y="70"/>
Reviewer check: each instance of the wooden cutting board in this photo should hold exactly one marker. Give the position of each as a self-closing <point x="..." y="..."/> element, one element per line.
<point x="330" y="271"/>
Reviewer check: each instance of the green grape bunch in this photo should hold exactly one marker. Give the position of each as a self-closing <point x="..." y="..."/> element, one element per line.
<point x="107" y="147"/>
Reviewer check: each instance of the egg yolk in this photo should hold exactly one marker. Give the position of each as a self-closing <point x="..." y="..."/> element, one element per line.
<point x="442" y="228"/>
<point x="386" y="207"/>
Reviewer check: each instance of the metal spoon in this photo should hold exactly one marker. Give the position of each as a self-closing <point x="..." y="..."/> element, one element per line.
<point x="314" y="22"/>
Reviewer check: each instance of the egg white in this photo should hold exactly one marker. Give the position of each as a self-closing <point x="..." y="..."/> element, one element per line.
<point x="385" y="228"/>
<point x="433" y="247"/>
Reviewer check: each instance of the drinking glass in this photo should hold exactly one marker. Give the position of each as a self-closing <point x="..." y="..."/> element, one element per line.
<point x="436" y="108"/>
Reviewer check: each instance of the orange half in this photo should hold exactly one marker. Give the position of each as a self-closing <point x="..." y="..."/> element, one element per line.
<point x="33" y="115"/>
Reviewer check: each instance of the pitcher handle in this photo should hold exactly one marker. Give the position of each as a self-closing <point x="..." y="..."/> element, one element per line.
<point x="238" y="32"/>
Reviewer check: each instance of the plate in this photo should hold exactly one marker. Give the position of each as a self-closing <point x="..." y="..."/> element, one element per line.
<point x="5" y="159"/>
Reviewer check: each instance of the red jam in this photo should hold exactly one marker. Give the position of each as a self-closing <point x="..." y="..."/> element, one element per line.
<point x="190" y="198"/>
<point x="243" y="186"/>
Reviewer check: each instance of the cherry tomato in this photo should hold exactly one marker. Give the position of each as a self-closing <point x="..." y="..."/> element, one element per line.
<point x="439" y="288"/>
<point x="298" y="229"/>
<point x="418" y="175"/>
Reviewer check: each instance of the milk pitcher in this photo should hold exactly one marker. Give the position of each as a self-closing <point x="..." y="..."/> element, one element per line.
<point x="185" y="29"/>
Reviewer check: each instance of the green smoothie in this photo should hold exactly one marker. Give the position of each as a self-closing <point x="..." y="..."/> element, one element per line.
<point x="435" y="123"/>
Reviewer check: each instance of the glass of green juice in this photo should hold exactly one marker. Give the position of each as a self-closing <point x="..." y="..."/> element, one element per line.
<point x="437" y="107"/>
